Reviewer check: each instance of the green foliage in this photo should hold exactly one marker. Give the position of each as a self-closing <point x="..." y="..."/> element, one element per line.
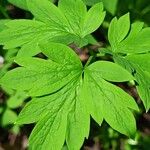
<point x="2" y="24"/>
<point x="109" y="5"/>
<point x="57" y="24"/>
<point x="65" y="92"/>
<point x="128" y="43"/>
<point x="14" y="98"/>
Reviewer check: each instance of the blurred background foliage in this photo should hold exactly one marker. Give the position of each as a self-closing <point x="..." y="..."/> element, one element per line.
<point x="11" y="102"/>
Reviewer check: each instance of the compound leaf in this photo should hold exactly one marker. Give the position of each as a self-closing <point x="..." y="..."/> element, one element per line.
<point x="133" y="45"/>
<point x="64" y="95"/>
<point x="52" y="24"/>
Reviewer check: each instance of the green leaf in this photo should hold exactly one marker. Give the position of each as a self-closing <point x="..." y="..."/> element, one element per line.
<point x="142" y="60"/>
<point x="123" y="40"/>
<point x="75" y="16"/>
<point x="52" y="24"/>
<point x="20" y="32"/>
<point x="78" y="121"/>
<point x="136" y="44"/>
<point x="46" y="106"/>
<point x="2" y="24"/>
<point x="143" y="79"/>
<point x="48" y="13"/>
<point x="123" y="26"/>
<point x="38" y="73"/>
<point x="64" y="95"/>
<point x="118" y="30"/>
<point x="94" y="15"/>
<point x="64" y="147"/>
<point x="112" y="34"/>
<point x="29" y="49"/>
<point x="140" y="65"/>
<point x="82" y="22"/>
<point x="111" y="71"/>
<point x="40" y="106"/>
<point x="54" y="135"/>
<point x="63" y="56"/>
<point x="10" y="55"/>
<point x="135" y="29"/>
